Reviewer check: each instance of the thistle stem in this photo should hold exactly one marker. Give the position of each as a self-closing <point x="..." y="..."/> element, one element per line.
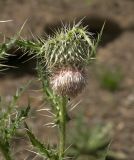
<point x="62" y="128"/>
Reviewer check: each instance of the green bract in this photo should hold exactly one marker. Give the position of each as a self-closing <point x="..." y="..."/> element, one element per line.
<point x="69" y="47"/>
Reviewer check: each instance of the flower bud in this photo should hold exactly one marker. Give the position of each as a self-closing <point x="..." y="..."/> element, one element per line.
<point x="68" y="81"/>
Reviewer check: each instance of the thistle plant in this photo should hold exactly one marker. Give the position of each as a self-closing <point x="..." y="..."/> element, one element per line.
<point x="61" y="66"/>
<point x="65" y="57"/>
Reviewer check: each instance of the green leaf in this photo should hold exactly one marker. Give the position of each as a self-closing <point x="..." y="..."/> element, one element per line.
<point x="44" y="151"/>
<point x="21" y="115"/>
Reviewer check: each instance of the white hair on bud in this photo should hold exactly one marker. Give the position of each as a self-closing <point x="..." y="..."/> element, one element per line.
<point x="68" y="81"/>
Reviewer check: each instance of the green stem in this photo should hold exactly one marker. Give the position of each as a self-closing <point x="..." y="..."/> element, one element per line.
<point x="62" y="128"/>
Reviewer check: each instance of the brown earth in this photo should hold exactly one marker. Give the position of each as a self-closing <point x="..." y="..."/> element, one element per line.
<point x="116" y="50"/>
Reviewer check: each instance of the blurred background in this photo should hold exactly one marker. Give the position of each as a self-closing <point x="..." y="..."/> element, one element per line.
<point x="105" y="115"/>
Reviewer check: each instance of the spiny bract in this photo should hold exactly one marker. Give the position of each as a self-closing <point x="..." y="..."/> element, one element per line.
<point x="69" y="47"/>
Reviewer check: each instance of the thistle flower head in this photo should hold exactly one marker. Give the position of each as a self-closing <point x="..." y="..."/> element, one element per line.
<point x="65" y="57"/>
<point x="68" y="81"/>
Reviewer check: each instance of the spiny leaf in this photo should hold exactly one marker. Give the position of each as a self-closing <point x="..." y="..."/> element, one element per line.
<point x="46" y="152"/>
<point x="7" y="126"/>
<point x="21" y="115"/>
<point x="96" y="43"/>
<point x="28" y="45"/>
